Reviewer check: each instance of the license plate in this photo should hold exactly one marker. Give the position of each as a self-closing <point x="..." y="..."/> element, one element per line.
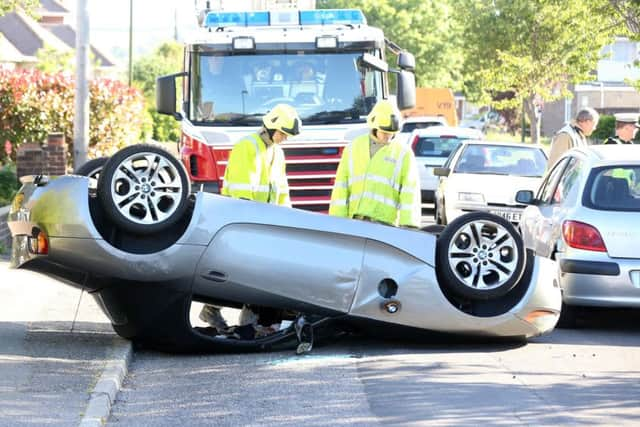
<point x="508" y="215"/>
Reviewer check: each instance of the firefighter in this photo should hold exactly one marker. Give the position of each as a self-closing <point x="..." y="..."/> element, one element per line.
<point x="256" y="171"/>
<point x="377" y="178"/>
<point x="626" y="129"/>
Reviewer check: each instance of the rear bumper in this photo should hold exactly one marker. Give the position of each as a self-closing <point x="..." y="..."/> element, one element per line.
<point x="600" y="283"/>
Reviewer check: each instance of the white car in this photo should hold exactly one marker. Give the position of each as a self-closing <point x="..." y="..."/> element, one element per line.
<point x="418" y="122"/>
<point x="432" y="147"/>
<point x="485" y="176"/>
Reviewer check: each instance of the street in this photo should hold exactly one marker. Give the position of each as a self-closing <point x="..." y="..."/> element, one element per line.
<point x="48" y="368"/>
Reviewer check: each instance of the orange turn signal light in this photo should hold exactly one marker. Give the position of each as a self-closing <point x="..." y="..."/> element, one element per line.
<point x="39" y="244"/>
<point x="532" y="316"/>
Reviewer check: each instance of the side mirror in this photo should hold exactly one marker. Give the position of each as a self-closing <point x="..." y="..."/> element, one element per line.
<point x="525" y="197"/>
<point x="406" y="61"/>
<point x="166" y="95"/>
<point x="406" y="93"/>
<point x="439" y="171"/>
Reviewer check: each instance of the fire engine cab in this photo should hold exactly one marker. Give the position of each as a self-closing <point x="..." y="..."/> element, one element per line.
<point x="326" y="63"/>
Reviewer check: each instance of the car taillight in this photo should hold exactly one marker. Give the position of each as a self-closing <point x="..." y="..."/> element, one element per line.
<point x="414" y="143"/>
<point x="38" y="243"/>
<point x="582" y="236"/>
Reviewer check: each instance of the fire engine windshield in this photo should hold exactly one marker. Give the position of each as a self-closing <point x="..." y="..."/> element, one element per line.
<point x="323" y="88"/>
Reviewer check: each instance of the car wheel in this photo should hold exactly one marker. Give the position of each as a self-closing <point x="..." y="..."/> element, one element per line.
<point x="92" y="168"/>
<point x="143" y="189"/>
<point x="480" y="256"/>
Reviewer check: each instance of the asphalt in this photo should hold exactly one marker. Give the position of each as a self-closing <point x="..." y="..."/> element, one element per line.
<point x="61" y="364"/>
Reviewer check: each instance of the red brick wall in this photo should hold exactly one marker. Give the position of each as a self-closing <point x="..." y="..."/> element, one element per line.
<point x="47" y="159"/>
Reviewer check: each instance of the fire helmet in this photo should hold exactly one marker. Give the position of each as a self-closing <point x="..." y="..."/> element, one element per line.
<point x="284" y="118"/>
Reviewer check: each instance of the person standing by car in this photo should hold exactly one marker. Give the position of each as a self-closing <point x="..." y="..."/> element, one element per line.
<point x="573" y="134"/>
<point x="626" y="129"/>
<point x="256" y="171"/>
<point x="377" y="177"/>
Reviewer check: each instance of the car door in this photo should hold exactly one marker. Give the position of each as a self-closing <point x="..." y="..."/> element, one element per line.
<point x="557" y="192"/>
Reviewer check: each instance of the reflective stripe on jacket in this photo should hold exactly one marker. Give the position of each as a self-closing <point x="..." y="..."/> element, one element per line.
<point x="249" y="175"/>
<point x="384" y="188"/>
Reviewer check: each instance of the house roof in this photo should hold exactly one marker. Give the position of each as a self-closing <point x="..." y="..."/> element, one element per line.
<point x="9" y="53"/>
<point x="52" y="6"/>
<point x="67" y="34"/>
<point x="27" y="36"/>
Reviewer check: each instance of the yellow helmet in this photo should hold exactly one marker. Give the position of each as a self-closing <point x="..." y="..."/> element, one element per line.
<point x="284" y="118"/>
<point x="384" y="116"/>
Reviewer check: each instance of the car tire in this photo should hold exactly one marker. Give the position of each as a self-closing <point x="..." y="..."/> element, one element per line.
<point x="92" y="168"/>
<point x="480" y="256"/>
<point x="143" y="189"/>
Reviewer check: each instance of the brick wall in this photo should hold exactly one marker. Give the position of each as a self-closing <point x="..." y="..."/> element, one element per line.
<point x="48" y="159"/>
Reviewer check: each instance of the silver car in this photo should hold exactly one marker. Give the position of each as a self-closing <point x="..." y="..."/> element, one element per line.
<point x="146" y="249"/>
<point x="586" y="218"/>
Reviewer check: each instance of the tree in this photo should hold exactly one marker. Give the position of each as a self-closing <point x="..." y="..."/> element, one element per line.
<point x="422" y="27"/>
<point x="11" y="5"/>
<point x="533" y="49"/>
<point x="166" y="59"/>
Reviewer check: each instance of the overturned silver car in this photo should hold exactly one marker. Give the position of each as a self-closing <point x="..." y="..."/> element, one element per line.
<point x="146" y="249"/>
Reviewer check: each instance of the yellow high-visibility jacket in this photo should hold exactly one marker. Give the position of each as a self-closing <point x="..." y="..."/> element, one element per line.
<point x="384" y="188"/>
<point x="250" y="175"/>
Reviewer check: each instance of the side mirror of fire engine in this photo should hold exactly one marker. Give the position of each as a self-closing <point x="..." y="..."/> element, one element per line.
<point x="166" y="95"/>
<point x="406" y="61"/>
<point x="406" y="93"/>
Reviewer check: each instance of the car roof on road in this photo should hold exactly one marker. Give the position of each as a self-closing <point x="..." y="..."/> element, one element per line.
<point x="504" y="143"/>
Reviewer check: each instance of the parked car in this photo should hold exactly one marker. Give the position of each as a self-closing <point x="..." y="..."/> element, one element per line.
<point x="418" y="122"/>
<point x="146" y="248"/>
<point x="586" y="217"/>
<point x="484" y="176"/>
<point x="432" y="146"/>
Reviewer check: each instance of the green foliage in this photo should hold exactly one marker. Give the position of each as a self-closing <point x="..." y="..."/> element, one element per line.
<point x="166" y="59"/>
<point x="606" y="128"/>
<point x="34" y="104"/>
<point x="11" y="5"/>
<point x="51" y="60"/>
<point x="533" y="49"/>
<point x="425" y="28"/>
<point x="8" y="184"/>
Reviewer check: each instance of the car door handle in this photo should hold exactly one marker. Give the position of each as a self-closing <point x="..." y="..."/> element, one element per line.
<point x="215" y="276"/>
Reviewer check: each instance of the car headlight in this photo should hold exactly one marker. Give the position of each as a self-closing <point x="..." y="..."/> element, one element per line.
<point x="471" y="197"/>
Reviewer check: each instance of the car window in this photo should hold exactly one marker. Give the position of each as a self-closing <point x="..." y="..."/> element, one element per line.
<point x="502" y="160"/>
<point x="614" y="188"/>
<point x="567" y="181"/>
<point x="436" y="146"/>
<point x="410" y="127"/>
<point x="447" y="164"/>
<point x="545" y="194"/>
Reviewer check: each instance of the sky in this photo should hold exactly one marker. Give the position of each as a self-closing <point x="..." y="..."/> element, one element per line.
<point x="154" y="21"/>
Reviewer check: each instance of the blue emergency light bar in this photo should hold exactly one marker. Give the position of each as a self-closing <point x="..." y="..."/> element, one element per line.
<point x="301" y="17"/>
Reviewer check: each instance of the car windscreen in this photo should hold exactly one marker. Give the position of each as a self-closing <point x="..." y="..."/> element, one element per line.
<point x="502" y="160"/>
<point x="410" y="127"/>
<point x="436" y="146"/>
<point x="613" y="188"/>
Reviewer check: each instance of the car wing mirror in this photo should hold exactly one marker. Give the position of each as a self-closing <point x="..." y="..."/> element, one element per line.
<point x="525" y="197"/>
<point x="440" y="171"/>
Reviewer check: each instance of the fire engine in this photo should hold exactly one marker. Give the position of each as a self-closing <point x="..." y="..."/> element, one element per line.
<point x="326" y="63"/>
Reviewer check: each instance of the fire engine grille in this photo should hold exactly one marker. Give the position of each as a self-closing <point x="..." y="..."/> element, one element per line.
<point x="311" y="171"/>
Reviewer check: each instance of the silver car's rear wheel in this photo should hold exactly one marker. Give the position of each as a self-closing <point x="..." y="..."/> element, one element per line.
<point x="480" y="256"/>
<point x="143" y="189"/>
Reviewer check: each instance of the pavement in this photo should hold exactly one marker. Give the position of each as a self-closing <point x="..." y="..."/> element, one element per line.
<point x="61" y="363"/>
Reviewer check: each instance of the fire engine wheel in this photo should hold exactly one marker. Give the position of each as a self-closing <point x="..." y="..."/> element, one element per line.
<point x="92" y="168"/>
<point x="143" y="189"/>
<point x="480" y="256"/>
